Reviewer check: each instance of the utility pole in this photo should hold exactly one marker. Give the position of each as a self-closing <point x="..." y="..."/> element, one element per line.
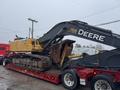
<point x="29" y="32"/>
<point x="33" y="21"/>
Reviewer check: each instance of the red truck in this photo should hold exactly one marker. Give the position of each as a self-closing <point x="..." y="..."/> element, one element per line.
<point x="4" y="48"/>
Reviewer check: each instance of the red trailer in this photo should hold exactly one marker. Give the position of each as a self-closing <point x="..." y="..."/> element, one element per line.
<point x="71" y="78"/>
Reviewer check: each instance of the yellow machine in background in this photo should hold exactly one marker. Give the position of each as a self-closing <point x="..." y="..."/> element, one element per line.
<point x="25" y="45"/>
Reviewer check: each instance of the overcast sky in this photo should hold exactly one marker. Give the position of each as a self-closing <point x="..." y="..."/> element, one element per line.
<point x="14" y="14"/>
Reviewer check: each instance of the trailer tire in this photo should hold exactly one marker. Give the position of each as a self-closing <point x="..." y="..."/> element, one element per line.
<point x="102" y="82"/>
<point x="70" y="79"/>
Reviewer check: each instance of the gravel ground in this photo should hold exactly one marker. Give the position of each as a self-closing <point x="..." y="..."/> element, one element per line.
<point x="10" y="80"/>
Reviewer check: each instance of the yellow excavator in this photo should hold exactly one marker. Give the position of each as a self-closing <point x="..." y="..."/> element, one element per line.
<point x="48" y="58"/>
<point x="51" y="49"/>
<point x="33" y="54"/>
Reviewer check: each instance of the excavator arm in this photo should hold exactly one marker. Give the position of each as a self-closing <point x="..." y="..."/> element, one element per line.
<point x="82" y="30"/>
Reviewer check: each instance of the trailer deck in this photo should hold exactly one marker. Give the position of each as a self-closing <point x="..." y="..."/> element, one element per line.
<point x="51" y="75"/>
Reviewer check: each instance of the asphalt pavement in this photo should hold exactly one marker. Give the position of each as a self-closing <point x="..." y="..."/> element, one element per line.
<point x="10" y="80"/>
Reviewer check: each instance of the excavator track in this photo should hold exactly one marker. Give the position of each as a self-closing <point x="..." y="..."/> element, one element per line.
<point x="32" y="62"/>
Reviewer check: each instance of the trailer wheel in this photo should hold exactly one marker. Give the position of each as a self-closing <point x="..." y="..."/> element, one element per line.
<point x="103" y="82"/>
<point x="70" y="79"/>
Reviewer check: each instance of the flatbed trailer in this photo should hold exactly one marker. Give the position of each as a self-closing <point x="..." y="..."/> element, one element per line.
<point x="102" y="70"/>
<point x="85" y="76"/>
<point x="52" y="76"/>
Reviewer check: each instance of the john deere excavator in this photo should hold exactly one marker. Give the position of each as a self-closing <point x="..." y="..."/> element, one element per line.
<point x="50" y="49"/>
<point x="49" y="57"/>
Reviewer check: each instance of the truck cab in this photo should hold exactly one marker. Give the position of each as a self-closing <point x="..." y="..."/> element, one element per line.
<point x="4" y="48"/>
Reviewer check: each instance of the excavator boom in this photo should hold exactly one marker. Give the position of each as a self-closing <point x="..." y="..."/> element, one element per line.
<point x="82" y="30"/>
